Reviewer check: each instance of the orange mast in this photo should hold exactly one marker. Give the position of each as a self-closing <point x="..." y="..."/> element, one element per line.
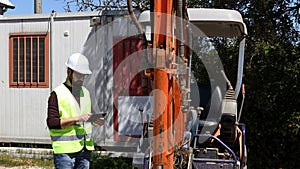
<point x="169" y="122"/>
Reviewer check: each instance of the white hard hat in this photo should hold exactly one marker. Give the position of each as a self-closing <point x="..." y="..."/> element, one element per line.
<point x="79" y="63"/>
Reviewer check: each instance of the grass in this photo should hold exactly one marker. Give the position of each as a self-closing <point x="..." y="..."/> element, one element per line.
<point x="9" y="161"/>
<point x="97" y="162"/>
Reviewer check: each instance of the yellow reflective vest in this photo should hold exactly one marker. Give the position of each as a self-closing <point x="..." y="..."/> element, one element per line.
<point x="72" y="138"/>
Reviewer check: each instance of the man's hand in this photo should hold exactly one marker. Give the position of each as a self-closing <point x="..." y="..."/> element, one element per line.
<point x="73" y="120"/>
<point x="83" y="117"/>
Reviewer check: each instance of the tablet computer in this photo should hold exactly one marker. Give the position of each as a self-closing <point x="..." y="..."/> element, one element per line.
<point x="95" y="117"/>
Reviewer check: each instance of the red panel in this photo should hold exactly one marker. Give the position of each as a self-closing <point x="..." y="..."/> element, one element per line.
<point x="127" y="79"/>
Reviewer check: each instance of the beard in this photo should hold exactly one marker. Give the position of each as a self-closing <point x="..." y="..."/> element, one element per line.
<point x="76" y="87"/>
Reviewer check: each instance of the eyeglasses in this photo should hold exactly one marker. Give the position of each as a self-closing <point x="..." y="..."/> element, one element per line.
<point x="79" y="75"/>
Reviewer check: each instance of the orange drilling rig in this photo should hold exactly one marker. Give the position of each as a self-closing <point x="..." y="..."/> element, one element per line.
<point x="181" y="137"/>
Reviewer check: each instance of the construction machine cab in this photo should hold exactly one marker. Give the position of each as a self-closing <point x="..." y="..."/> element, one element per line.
<point x="222" y="23"/>
<point x="228" y="24"/>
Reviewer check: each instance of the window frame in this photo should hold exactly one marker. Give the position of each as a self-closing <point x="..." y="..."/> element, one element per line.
<point x="30" y="84"/>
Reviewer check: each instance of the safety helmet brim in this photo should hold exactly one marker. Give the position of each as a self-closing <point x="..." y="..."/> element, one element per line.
<point x="78" y="63"/>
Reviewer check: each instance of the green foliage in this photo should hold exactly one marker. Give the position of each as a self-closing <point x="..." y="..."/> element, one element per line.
<point x="272" y="70"/>
<point x="92" y="5"/>
<point x="106" y="162"/>
<point x="271" y="109"/>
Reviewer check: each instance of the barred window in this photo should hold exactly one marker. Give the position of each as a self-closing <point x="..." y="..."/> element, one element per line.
<point x="29" y="61"/>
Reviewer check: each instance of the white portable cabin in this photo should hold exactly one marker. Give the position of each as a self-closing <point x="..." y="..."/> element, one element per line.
<point x="34" y="48"/>
<point x="24" y="106"/>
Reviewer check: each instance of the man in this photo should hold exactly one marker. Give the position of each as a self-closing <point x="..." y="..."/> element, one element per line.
<point x="69" y="107"/>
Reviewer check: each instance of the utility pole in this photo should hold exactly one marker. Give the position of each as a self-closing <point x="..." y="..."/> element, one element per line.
<point x="37" y="6"/>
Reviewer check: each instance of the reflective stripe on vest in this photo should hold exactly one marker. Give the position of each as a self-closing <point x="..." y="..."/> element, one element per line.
<point x="71" y="138"/>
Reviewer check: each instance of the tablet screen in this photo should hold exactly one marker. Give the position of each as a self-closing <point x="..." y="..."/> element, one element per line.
<point x="94" y="117"/>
